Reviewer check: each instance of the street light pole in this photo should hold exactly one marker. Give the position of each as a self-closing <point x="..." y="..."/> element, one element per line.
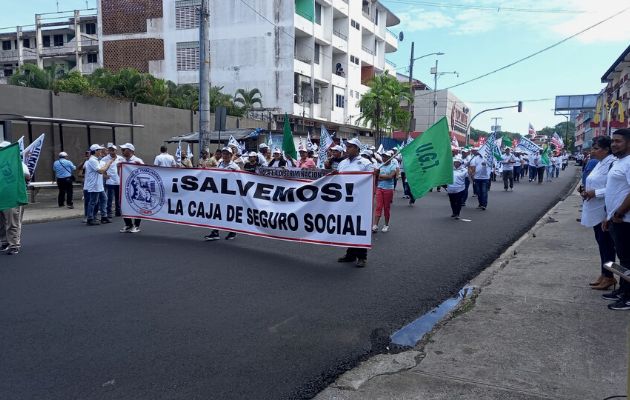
<point x="411" y="91"/>
<point x="435" y="90"/>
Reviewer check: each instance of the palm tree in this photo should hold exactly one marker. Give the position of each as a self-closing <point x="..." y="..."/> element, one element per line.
<point x="247" y="99"/>
<point x="30" y="75"/>
<point x="380" y="106"/>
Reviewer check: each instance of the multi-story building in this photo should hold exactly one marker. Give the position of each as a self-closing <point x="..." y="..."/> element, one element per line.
<point x="614" y="100"/>
<point x="70" y="44"/>
<point x="584" y="132"/>
<point x="427" y="112"/>
<point x="310" y="59"/>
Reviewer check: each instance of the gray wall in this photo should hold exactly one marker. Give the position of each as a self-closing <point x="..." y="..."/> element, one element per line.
<point x="160" y="123"/>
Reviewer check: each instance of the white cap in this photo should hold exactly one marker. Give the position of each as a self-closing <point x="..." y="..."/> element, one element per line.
<point x="337" y="148"/>
<point x="372" y="147"/>
<point x="354" y="141"/>
<point x="277" y="151"/>
<point x="263" y="146"/>
<point x="229" y="150"/>
<point x="95" y="147"/>
<point x="301" y="148"/>
<point x="388" y="153"/>
<point x="63" y="154"/>
<point x="253" y="154"/>
<point x="366" y="152"/>
<point x="128" y="146"/>
<point x="5" y="144"/>
<point x="457" y="159"/>
<point x="111" y="146"/>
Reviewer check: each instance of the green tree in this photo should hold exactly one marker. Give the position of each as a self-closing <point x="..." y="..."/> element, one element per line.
<point x="246" y="100"/>
<point x="380" y="106"/>
<point x="74" y="82"/>
<point x="29" y="75"/>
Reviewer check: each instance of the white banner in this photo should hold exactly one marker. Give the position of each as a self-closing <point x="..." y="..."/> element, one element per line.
<point x="334" y="210"/>
<point x="30" y="155"/>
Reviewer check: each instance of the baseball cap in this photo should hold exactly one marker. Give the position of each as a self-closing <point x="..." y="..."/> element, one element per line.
<point x="457" y="159"/>
<point x="4" y="144"/>
<point x="301" y="148"/>
<point x="337" y="148"/>
<point x="253" y="154"/>
<point x="388" y="153"/>
<point x="95" y="147"/>
<point x="229" y="150"/>
<point x="354" y="142"/>
<point x="111" y="146"/>
<point x="277" y="151"/>
<point x="63" y="154"/>
<point x="128" y="146"/>
<point x="263" y="146"/>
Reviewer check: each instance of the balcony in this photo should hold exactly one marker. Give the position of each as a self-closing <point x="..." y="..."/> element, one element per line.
<point x="302" y="65"/>
<point x="340" y="41"/>
<point x="391" y="42"/>
<point x="339" y="81"/>
<point x="368" y="50"/>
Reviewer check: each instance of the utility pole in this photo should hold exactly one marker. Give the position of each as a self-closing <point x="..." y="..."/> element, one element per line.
<point x="435" y="90"/>
<point x="204" y="77"/>
<point x="411" y="121"/>
<point x="496" y="124"/>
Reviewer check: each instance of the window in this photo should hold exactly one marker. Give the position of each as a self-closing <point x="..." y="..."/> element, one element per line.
<point x="8" y="70"/>
<point x="340" y="100"/>
<point x="90" y="29"/>
<point x="92" y="58"/>
<point x="26" y="43"/>
<point x="186" y="14"/>
<point x="318" y="13"/>
<point x="6" y="45"/>
<point x="46" y="41"/>
<point x="354" y="60"/>
<point x="316" y="54"/>
<point x="188" y="56"/>
<point x="69" y="37"/>
<point x="376" y="17"/>
<point x="355" y="25"/>
<point x="316" y="93"/>
<point x="58" y="40"/>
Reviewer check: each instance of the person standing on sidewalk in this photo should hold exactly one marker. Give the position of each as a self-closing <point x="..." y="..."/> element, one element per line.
<point x="112" y="184"/>
<point x="128" y="152"/>
<point x="617" y="197"/>
<point x="385" y="190"/>
<point x="508" y="161"/>
<point x="94" y="185"/>
<point x="594" y="208"/>
<point x="64" y="170"/>
<point x="355" y="163"/>
<point x="480" y="171"/>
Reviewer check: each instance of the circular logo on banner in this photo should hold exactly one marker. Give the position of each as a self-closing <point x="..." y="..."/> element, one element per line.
<point x="144" y="191"/>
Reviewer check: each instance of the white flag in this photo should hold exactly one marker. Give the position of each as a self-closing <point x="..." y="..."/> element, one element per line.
<point x="21" y="144"/>
<point x="380" y="149"/>
<point x="270" y="141"/>
<point x="309" y="144"/>
<point x="325" y="141"/>
<point x="188" y="152"/>
<point x="178" y="152"/>
<point x="32" y="152"/>
<point x="233" y="142"/>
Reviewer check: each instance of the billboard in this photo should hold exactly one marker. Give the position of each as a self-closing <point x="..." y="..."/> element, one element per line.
<point x="576" y="102"/>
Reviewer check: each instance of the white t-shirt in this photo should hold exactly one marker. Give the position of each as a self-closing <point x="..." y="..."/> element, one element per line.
<point x="594" y="210"/>
<point x="165" y="160"/>
<point x="482" y="168"/>
<point x="459" y="180"/>
<point x="231" y="165"/>
<point x="618" y="187"/>
<point x="507" y="162"/>
<point x="93" y="179"/>
<point x="358" y="163"/>
<point x="517" y="161"/>
<point x="112" y="171"/>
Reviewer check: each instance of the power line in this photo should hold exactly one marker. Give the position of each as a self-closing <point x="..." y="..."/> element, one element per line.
<point x="538" y="52"/>
<point x="497" y="8"/>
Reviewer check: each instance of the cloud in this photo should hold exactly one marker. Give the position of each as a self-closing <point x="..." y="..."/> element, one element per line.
<point x="561" y="23"/>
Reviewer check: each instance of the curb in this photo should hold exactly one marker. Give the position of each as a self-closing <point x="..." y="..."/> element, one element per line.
<point x="50" y="219"/>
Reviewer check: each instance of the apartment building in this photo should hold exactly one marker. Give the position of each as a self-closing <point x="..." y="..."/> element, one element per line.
<point x="614" y="100"/>
<point x="70" y="43"/>
<point x="310" y="59"/>
<point x="426" y="112"/>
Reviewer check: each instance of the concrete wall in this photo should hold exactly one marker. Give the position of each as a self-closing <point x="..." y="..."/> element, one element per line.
<point x="161" y="123"/>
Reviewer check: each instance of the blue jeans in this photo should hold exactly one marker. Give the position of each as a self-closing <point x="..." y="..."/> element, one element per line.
<point x="549" y="172"/>
<point x="481" y="187"/>
<point x="112" y="196"/>
<point x="533" y="172"/>
<point x="466" y="186"/>
<point x="97" y="202"/>
<point x="517" y="173"/>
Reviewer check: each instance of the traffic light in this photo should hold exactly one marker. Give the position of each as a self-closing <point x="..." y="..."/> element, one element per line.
<point x="520" y="106"/>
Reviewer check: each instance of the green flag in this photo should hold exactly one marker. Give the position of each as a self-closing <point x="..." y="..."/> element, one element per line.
<point x="429" y="160"/>
<point x="287" y="139"/>
<point x="12" y="184"/>
<point x="544" y="156"/>
<point x="506" y="140"/>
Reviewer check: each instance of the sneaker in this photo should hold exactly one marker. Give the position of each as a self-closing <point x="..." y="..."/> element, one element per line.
<point x="212" y="236"/>
<point x="71" y="206"/>
<point x="230" y="236"/>
<point x="374" y="228"/>
<point x="106" y="221"/>
<point x="612" y="296"/>
<point x="84" y="220"/>
<point x="385" y="229"/>
<point x="620" y="305"/>
<point x="92" y="222"/>
<point x="134" y="229"/>
<point x="483" y="208"/>
<point x="456" y="217"/>
<point x="12" y="252"/>
<point x="361" y="263"/>
<point x="125" y="229"/>
<point x="4" y="248"/>
<point x="345" y="259"/>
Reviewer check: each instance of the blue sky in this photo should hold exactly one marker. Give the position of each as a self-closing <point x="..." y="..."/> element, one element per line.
<point x="477" y="37"/>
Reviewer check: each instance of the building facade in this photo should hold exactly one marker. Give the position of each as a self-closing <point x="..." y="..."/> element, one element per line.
<point x="426" y="112"/>
<point x="310" y="59"/>
<point x="612" y="105"/>
<point x="70" y="45"/>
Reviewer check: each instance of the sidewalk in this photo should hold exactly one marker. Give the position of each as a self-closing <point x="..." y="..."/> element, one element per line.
<point x="535" y="331"/>
<point x="46" y="209"/>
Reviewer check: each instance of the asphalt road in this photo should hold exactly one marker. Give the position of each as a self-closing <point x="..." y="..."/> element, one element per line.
<point x="89" y="313"/>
